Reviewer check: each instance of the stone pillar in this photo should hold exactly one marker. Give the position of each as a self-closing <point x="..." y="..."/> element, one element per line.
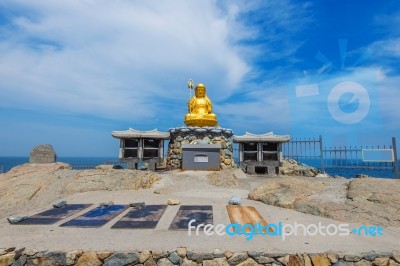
<point x="280" y="155"/>
<point x="241" y="152"/>
<point x="43" y="153"/>
<point x="259" y="152"/>
<point x="140" y="149"/>
<point x="161" y="150"/>
<point x="121" y="148"/>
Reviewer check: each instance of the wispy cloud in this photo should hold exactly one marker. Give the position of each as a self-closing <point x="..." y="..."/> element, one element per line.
<point x="112" y="57"/>
<point x="385" y="51"/>
<point x="276" y="28"/>
<point x="258" y="111"/>
<point x="118" y="58"/>
<point x="389" y="48"/>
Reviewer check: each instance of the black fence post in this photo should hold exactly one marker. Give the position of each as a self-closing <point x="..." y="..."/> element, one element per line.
<point x="395" y="163"/>
<point x="321" y="153"/>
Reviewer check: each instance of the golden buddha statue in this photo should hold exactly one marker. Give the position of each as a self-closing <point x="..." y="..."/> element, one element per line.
<point x="200" y="109"/>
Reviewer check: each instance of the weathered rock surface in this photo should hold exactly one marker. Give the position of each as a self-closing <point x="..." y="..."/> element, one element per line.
<point x="287" y="192"/>
<point x="164" y="262"/>
<point x="105" y="167"/>
<point x="293" y="168"/>
<point x="93" y="180"/>
<point x="31" y="186"/>
<point x="7" y="259"/>
<point x="144" y="256"/>
<point x="225" y="179"/>
<point x="237" y="258"/>
<point x="59" y="203"/>
<point x="320" y="259"/>
<point x="174" y="258"/>
<point x="43" y="153"/>
<point x="181" y="252"/>
<point x="89" y="258"/>
<point x="16" y="219"/>
<point x="340" y="199"/>
<point x="118" y="259"/>
<point x="173" y="202"/>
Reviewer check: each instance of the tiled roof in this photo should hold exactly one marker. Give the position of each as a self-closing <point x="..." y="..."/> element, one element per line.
<point x="133" y="133"/>
<point x="267" y="137"/>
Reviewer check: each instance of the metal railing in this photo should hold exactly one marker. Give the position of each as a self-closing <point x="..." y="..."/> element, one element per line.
<point x="342" y="158"/>
<point x="304" y="148"/>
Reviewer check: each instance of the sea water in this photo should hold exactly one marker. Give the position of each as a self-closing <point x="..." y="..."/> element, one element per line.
<point x="6" y="163"/>
<point x="76" y="162"/>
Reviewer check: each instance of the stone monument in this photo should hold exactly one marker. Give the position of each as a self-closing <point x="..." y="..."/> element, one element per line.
<point x="42" y="154"/>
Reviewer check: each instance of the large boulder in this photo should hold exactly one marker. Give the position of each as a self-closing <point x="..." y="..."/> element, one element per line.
<point x="43" y="153"/>
<point x="293" y="168"/>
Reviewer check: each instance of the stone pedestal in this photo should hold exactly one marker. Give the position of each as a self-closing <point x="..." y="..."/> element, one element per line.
<point x="199" y="135"/>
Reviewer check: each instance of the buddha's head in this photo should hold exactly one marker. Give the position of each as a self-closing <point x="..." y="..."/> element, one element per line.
<point x="200" y="90"/>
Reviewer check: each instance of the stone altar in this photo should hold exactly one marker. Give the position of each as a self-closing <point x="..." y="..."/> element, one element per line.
<point x="199" y="135"/>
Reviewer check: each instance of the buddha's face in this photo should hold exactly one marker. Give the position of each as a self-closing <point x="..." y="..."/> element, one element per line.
<point x="200" y="92"/>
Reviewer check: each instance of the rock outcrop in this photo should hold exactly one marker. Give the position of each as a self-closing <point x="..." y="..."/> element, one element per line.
<point x="365" y="200"/>
<point x="113" y="180"/>
<point x="293" y="168"/>
<point x="33" y="185"/>
<point x="225" y="179"/>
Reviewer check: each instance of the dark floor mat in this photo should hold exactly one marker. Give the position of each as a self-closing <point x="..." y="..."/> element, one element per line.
<point x="146" y="217"/>
<point x="56" y="214"/>
<point x="203" y="214"/>
<point x="96" y="217"/>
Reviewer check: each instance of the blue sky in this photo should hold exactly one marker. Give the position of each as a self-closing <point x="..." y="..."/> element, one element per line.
<point x="71" y="72"/>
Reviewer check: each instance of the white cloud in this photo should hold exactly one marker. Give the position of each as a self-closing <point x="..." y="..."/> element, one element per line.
<point x="111" y="57"/>
<point x="126" y="59"/>
<point x="388" y="22"/>
<point x="386" y="48"/>
<point x="263" y="109"/>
